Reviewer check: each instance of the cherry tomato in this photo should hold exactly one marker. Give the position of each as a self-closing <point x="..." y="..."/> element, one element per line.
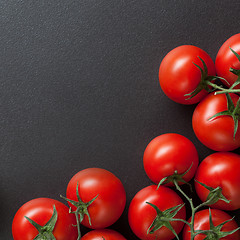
<point x="201" y="222"/>
<point x="220" y="169"/>
<point x="226" y="59"/>
<point x="168" y="153"/>
<point x="179" y="76"/>
<point x="141" y="214"/>
<point x="216" y="133"/>
<point x="111" y="197"/>
<point x="101" y="234"/>
<point x="40" y="210"/>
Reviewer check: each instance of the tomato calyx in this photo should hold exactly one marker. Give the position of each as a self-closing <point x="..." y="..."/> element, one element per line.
<point x="45" y="232"/>
<point x="231" y="111"/>
<point x="215" y="232"/>
<point x="214" y="195"/>
<point x="235" y="71"/>
<point x="175" y="177"/>
<point x="81" y="210"/>
<point x="205" y="82"/>
<point x="163" y="218"/>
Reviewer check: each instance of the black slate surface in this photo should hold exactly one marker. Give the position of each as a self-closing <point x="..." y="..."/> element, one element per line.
<point x="79" y="88"/>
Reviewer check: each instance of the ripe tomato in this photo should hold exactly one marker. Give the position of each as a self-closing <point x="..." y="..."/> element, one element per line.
<point x="220" y="169"/>
<point x="40" y="210"/>
<point x="106" y="234"/>
<point x="201" y="222"/>
<point x="216" y="133"/>
<point x="141" y="214"/>
<point x="168" y="153"/>
<point x="111" y="196"/>
<point x="179" y="76"/>
<point x="226" y="59"/>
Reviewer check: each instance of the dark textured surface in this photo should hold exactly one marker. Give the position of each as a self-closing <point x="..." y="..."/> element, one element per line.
<point x="79" y="88"/>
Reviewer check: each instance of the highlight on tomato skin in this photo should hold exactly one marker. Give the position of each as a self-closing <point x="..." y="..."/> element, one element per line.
<point x="178" y="74"/>
<point x="40" y="210"/>
<point x="202" y="222"/>
<point x="226" y="60"/>
<point x="170" y="155"/>
<point x="220" y="169"/>
<point x="106" y="234"/>
<point x="141" y="215"/>
<point x="108" y="190"/>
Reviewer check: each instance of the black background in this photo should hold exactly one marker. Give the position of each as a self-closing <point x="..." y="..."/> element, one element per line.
<point x="79" y="88"/>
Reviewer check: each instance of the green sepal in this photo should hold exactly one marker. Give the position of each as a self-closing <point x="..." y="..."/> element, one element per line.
<point x="162" y="181"/>
<point x="235" y="71"/>
<point x="235" y="53"/>
<point x="45" y="232"/>
<point x="215" y="232"/>
<point x="82" y="207"/>
<point x="214" y="195"/>
<point x="205" y="82"/>
<point x="232" y="111"/>
<point x="81" y="210"/>
<point x="45" y="236"/>
<point x="163" y="218"/>
<point x="175" y="177"/>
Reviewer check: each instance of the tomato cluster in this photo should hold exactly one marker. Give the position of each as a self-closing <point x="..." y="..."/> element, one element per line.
<point x="187" y="75"/>
<point x="174" y="159"/>
<point x="97" y="198"/>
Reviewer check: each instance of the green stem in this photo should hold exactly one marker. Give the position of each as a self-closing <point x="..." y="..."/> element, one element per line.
<point x="180" y="220"/>
<point x="78" y="226"/>
<point x="223" y="90"/>
<point x="227" y="91"/>
<point x="191" y="224"/>
<point x="214" y="231"/>
<point x="215" y="86"/>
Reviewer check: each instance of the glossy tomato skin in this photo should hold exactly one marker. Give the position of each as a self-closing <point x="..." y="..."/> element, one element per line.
<point x="107" y="234"/>
<point x="201" y="222"/>
<point x="225" y="60"/>
<point x="220" y="169"/>
<point x="179" y="76"/>
<point x="40" y="210"/>
<point x="141" y="214"/>
<point x="168" y="153"/>
<point x="217" y="133"/>
<point x="111" y="200"/>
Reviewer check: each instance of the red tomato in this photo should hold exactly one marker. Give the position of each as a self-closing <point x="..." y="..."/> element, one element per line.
<point x="220" y="169"/>
<point x="40" y="210"/>
<point x="201" y="222"/>
<point x="217" y="133"/>
<point x="141" y="214"/>
<point x="168" y="153"/>
<point x="110" y="203"/>
<point x="226" y="59"/>
<point x="179" y="76"/>
<point x="107" y="234"/>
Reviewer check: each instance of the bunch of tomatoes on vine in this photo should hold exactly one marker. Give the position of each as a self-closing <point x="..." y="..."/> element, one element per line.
<point x="97" y="199"/>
